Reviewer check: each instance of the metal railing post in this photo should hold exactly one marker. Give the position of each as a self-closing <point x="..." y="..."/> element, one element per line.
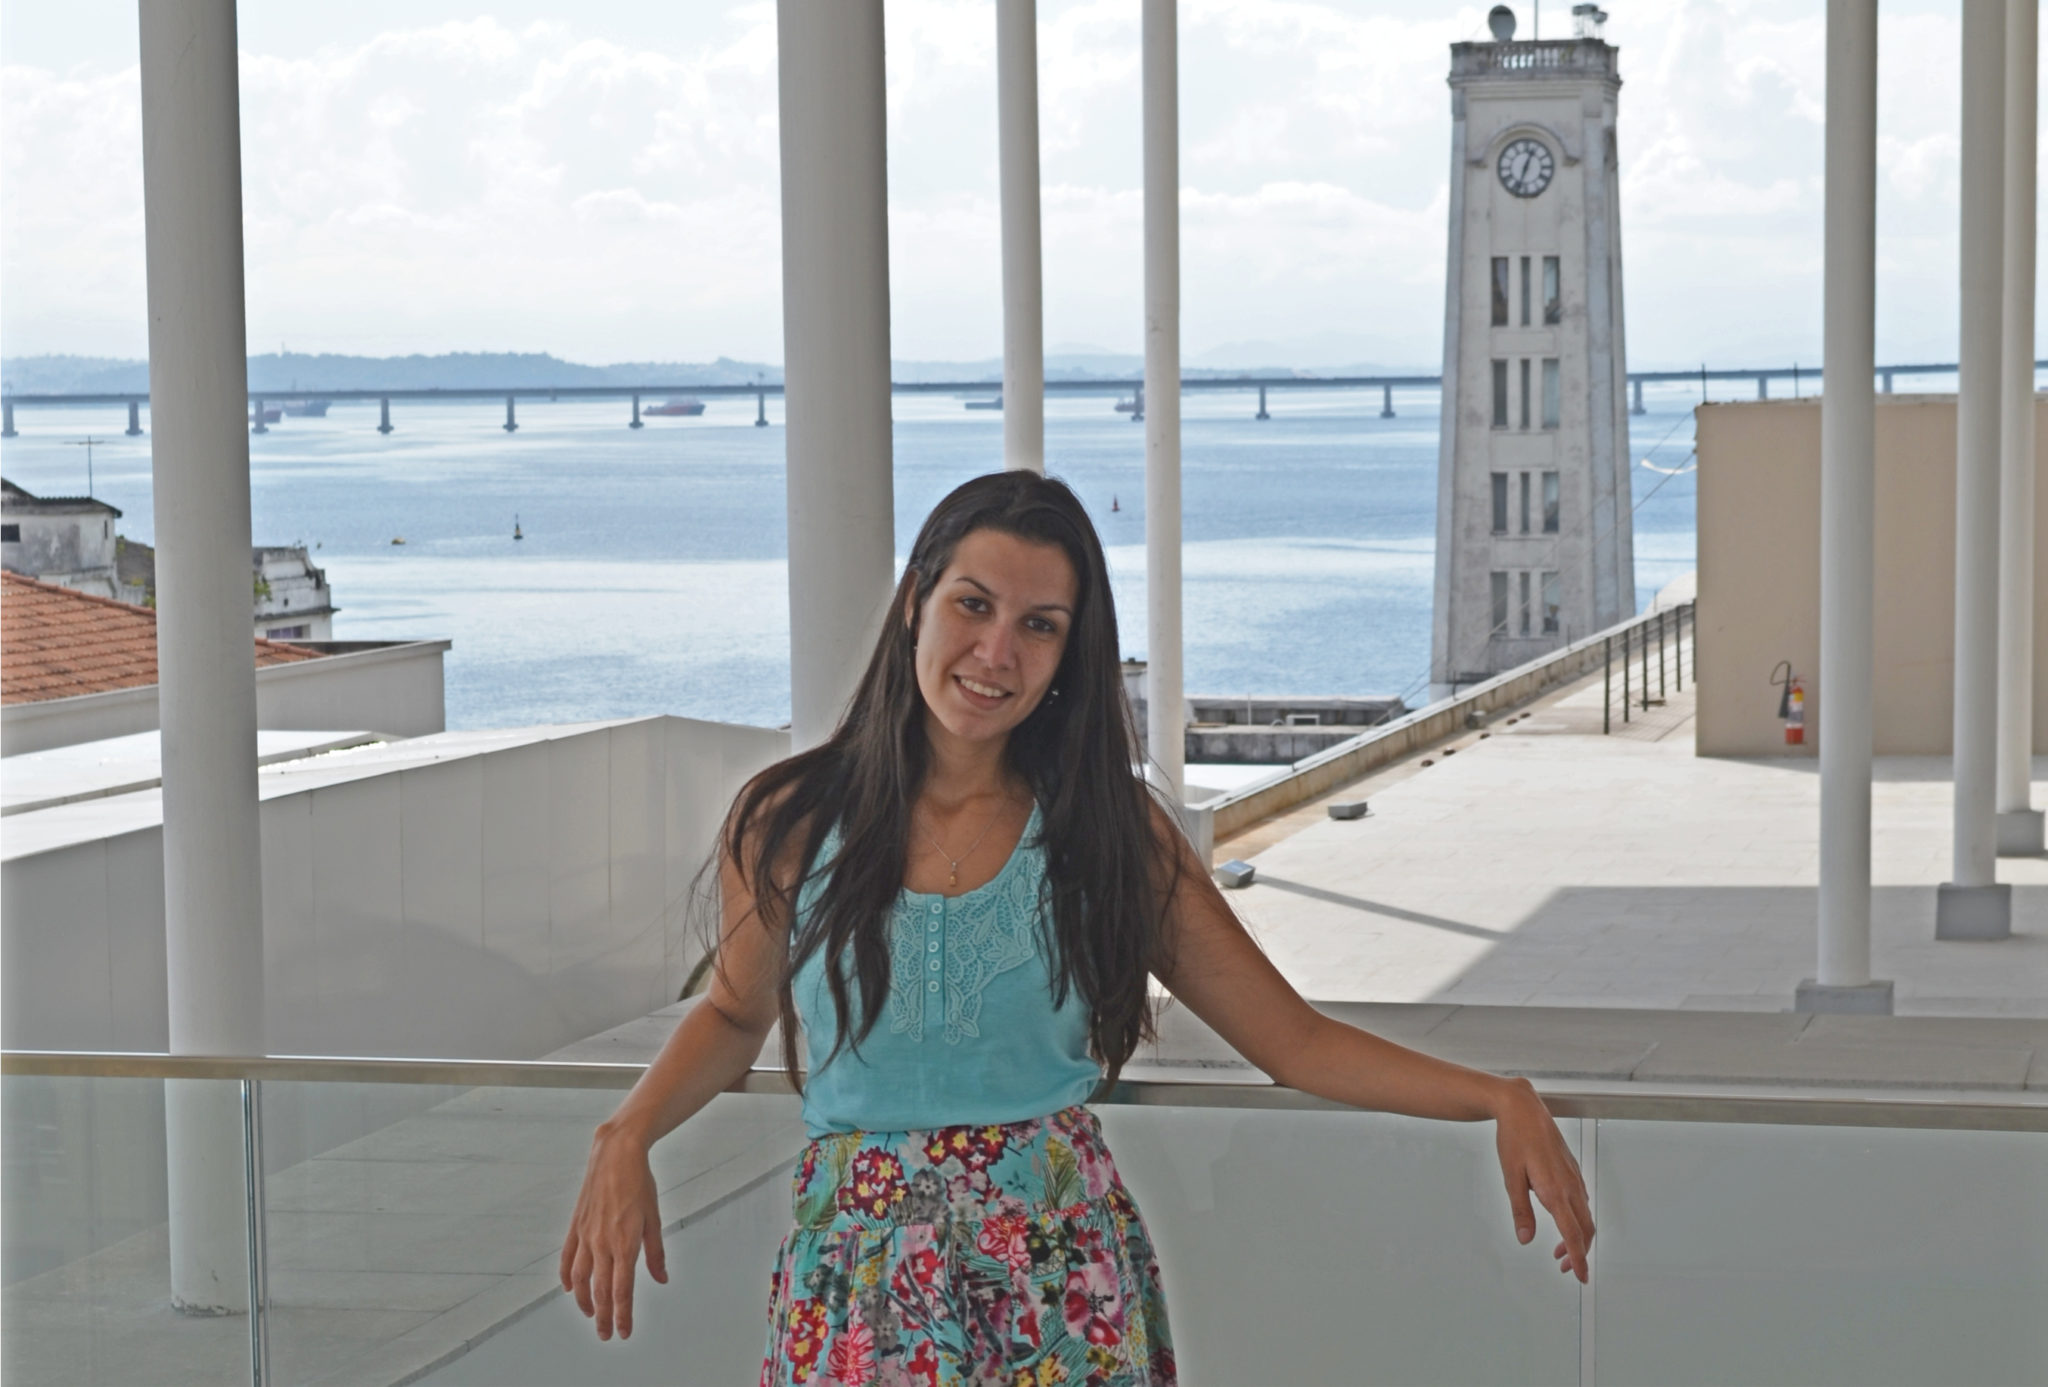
<point x="1660" y="653"/>
<point x="259" y="1264"/>
<point x="1607" y="687"/>
<point x="1678" y="647"/>
<point x="1626" y="693"/>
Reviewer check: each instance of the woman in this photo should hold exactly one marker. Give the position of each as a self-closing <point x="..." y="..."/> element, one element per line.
<point x="960" y="897"/>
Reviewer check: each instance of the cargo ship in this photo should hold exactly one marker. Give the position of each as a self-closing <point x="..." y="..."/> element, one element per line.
<point x="687" y="405"/>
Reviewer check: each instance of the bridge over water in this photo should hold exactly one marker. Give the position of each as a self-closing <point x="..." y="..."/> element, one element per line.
<point x="1134" y="388"/>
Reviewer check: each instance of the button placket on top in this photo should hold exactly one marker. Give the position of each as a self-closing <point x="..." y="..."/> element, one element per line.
<point x="934" y="995"/>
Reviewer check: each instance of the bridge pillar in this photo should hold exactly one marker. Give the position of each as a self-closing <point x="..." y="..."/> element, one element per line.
<point x="1887" y="382"/>
<point x="257" y="413"/>
<point x="1636" y="404"/>
<point x="1138" y="405"/>
<point x="511" y="419"/>
<point x="134" y="419"/>
<point x="1386" y="402"/>
<point x="1262" y="405"/>
<point x="6" y="418"/>
<point x="1763" y="387"/>
<point x="760" y="409"/>
<point x="384" y="415"/>
<point x="636" y="414"/>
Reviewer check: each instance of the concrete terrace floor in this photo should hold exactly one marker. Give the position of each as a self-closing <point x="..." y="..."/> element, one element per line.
<point x="1546" y="864"/>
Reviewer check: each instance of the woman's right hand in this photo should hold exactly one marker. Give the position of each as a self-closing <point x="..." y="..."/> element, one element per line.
<point x="617" y="1217"/>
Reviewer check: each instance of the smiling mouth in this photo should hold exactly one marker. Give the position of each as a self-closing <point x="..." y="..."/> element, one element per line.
<point x="975" y="686"/>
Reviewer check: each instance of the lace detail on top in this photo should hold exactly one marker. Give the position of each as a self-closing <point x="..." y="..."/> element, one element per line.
<point x="989" y="931"/>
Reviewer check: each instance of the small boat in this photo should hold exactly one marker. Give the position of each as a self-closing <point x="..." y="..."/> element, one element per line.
<point x="517" y="533"/>
<point x="1113" y="506"/>
<point x="996" y="403"/>
<point x="685" y="405"/>
<point x="399" y="540"/>
<point x="1127" y="406"/>
<point x="308" y="409"/>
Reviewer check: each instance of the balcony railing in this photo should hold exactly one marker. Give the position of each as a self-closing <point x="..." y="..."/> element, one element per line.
<point x="1541" y="57"/>
<point x="404" y="1217"/>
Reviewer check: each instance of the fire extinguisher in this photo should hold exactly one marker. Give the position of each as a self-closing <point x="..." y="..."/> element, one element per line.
<point x="1791" y="703"/>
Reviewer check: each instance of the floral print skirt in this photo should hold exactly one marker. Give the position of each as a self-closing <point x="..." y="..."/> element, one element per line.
<point x="1009" y="1254"/>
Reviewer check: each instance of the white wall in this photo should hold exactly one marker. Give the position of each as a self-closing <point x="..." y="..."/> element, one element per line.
<point x="481" y="895"/>
<point x="394" y="689"/>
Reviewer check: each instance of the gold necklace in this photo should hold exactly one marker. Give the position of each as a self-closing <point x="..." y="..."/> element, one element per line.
<point x="952" y="862"/>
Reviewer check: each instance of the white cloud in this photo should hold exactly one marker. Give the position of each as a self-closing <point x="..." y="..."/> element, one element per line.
<point x="572" y="184"/>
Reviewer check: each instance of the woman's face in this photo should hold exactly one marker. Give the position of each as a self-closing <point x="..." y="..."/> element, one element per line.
<point x="991" y="635"/>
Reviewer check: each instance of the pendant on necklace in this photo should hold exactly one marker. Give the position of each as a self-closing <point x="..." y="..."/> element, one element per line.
<point x="954" y="878"/>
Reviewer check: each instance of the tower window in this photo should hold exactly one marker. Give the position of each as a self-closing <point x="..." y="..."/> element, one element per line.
<point x="1551" y="604"/>
<point x="1553" y="304"/>
<point x="1525" y="392"/>
<point x="1500" y="503"/>
<point x="1550" y="503"/>
<point x="1522" y="605"/>
<point x="1553" y="394"/>
<point x="11" y="534"/>
<point x="1500" y="603"/>
<point x="1500" y="291"/>
<point x="1500" y="394"/>
<point x="1525" y="291"/>
<point x="1525" y="503"/>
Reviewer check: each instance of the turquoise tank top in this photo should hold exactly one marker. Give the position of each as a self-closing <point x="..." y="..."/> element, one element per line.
<point x="968" y="1035"/>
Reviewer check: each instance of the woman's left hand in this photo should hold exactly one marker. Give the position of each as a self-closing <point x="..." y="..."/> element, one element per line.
<point x="1533" y="1157"/>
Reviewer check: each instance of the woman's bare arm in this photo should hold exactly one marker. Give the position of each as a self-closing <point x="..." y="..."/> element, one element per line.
<point x="617" y="1213"/>
<point x="1221" y="974"/>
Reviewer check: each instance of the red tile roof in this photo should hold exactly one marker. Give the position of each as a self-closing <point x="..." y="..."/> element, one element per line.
<point x="56" y="643"/>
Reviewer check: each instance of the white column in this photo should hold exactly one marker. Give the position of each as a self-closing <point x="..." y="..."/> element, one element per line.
<point x="1848" y="486"/>
<point x="198" y="382"/>
<point x="1023" y="289"/>
<point x="2019" y="823"/>
<point x="835" y="350"/>
<point x="1166" y="732"/>
<point x="1970" y="905"/>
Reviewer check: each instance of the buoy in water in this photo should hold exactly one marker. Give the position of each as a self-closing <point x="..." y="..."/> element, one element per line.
<point x="1113" y="505"/>
<point x="516" y="532"/>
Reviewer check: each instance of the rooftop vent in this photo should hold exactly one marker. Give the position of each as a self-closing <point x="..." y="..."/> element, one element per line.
<point x="1501" y="20"/>
<point x="1588" y="21"/>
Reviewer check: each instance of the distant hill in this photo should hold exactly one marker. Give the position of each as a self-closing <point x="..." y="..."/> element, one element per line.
<point x="299" y="373"/>
<point x="304" y="373"/>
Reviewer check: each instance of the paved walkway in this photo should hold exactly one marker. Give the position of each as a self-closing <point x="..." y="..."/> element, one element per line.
<point x="1545" y="864"/>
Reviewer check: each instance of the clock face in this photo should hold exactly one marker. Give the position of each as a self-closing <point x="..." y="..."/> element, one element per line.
<point x="1525" y="167"/>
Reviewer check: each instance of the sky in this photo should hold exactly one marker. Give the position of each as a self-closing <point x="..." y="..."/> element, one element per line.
<point x="600" y="180"/>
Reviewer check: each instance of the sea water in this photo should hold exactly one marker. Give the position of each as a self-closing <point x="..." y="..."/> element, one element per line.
<point x="653" y="574"/>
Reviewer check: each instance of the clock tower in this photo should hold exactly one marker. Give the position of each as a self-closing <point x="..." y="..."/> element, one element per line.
<point x="1533" y="542"/>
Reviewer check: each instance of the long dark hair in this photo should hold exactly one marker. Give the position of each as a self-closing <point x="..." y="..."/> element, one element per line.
<point x="1108" y="874"/>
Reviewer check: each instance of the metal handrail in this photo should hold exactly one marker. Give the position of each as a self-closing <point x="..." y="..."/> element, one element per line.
<point x="1630" y="1101"/>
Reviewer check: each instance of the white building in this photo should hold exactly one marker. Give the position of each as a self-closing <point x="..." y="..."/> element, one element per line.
<point x="1534" y="545"/>
<point x="293" y="602"/>
<point x="66" y="540"/>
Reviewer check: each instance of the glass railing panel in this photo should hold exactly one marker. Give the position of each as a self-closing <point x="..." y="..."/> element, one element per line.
<point x="1734" y="1253"/>
<point x="86" y="1241"/>
<point x="410" y="1242"/>
<point x="1342" y="1247"/>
